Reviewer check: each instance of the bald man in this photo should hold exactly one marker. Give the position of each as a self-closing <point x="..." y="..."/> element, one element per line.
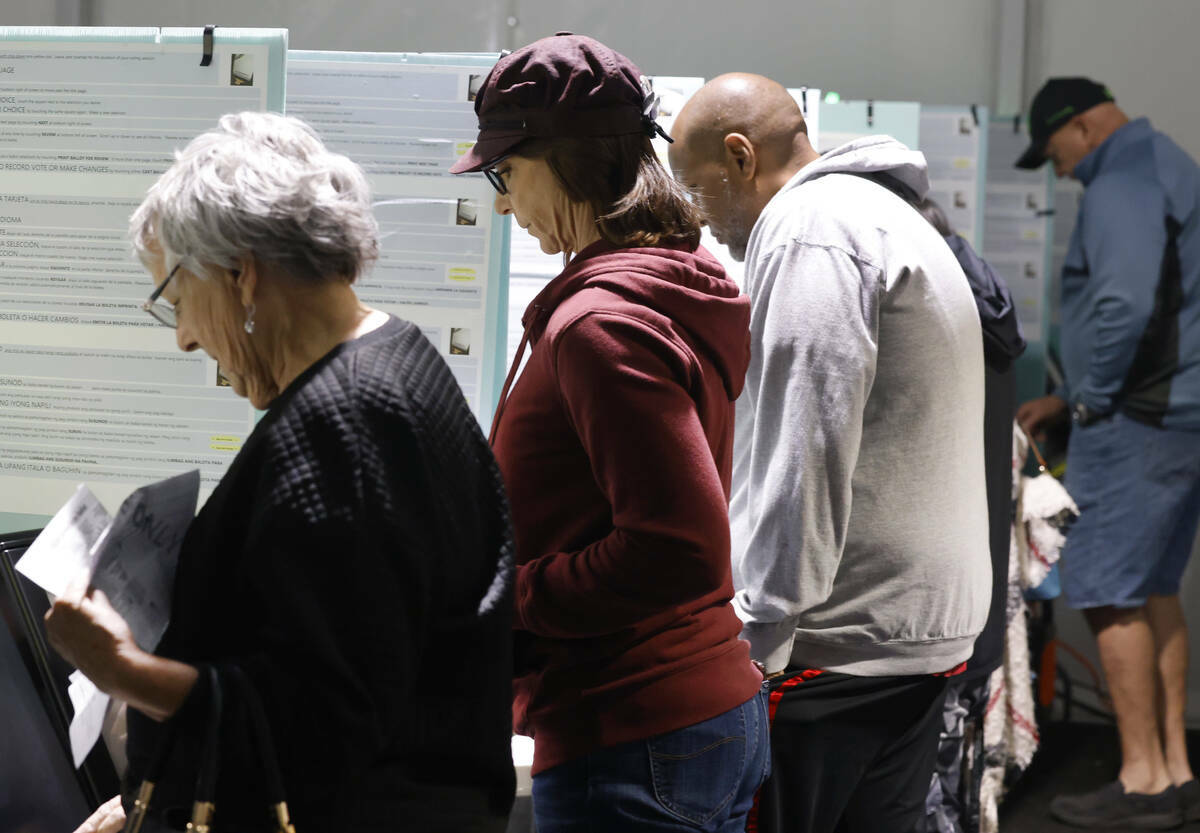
<point x="858" y="513"/>
<point x="1130" y="340"/>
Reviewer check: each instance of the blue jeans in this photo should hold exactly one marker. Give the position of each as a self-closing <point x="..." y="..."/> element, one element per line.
<point x="702" y="777"/>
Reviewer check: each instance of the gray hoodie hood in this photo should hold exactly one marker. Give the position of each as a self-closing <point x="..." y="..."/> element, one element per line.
<point x="869" y="155"/>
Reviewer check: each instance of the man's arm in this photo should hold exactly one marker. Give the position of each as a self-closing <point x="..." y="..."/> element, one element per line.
<point x="1124" y="237"/>
<point x="815" y="326"/>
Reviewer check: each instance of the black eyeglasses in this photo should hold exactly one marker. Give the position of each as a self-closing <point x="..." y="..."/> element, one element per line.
<point x="162" y="311"/>
<point x="494" y="177"/>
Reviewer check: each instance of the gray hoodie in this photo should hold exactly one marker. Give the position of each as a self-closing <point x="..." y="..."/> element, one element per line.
<point x="859" y="511"/>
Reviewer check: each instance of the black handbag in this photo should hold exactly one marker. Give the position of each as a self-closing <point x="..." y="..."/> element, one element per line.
<point x="228" y="681"/>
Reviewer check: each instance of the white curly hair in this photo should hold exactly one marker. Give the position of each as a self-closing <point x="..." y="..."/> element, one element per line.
<point x="260" y="185"/>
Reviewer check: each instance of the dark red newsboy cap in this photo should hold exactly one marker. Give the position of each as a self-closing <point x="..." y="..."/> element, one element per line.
<point x="565" y="85"/>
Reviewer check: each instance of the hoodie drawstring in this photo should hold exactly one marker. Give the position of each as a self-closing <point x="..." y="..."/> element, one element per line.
<point x="512" y="372"/>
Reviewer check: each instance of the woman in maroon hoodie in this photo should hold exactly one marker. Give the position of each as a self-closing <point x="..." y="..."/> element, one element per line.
<point x="615" y="446"/>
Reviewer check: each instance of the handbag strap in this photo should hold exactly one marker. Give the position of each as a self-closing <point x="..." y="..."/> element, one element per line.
<point x="206" y="776"/>
<point x="1033" y="446"/>
<point x="210" y="755"/>
<point x="154" y="771"/>
<point x="265" y="743"/>
<point x="204" y="806"/>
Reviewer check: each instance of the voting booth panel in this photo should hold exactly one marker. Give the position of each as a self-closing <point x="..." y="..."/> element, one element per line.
<point x="40" y="789"/>
<point x="954" y="141"/>
<point x="1018" y="241"/>
<point x="443" y="260"/>
<point x="91" y="388"/>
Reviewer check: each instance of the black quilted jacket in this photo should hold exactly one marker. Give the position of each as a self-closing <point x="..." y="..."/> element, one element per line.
<point x="356" y="562"/>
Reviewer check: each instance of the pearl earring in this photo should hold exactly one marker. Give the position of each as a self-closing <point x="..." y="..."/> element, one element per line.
<point x="249" y="325"/>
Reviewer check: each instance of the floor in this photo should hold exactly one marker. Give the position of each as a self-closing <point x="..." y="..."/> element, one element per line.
<point x="1073" y="758"/>
<point x="521" y="818"/>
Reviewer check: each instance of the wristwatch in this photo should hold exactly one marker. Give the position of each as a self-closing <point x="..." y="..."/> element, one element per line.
<point x="1083" y="416"/>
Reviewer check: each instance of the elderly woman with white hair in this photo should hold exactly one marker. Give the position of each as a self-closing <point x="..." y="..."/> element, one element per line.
<point x="354" y="563"/>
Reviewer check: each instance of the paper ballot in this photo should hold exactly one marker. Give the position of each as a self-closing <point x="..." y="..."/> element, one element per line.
<point x="131" y="557"/>
<point x="90" y="705"/>
<point x="134" y="560"/>
<point x="62" y="551"/>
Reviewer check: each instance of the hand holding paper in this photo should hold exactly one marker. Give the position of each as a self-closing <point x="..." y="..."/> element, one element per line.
<point x="85" y="629"/>
<point x="131" y="557"/>
<point x="113" y="580"/>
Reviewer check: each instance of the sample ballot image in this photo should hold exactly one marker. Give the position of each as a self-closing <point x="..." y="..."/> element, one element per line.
<point x="241" y="70"/>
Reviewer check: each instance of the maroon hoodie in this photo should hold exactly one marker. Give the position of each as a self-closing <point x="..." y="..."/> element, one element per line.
<point x="616" y="447"/>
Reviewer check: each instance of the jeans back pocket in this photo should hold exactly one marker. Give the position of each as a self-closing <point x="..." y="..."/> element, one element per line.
<point x="697" y="770"/>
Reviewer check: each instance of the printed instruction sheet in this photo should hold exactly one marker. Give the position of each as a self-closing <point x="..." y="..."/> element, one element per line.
<point x="441" y="245"/>
<point x="91" y="387"/>
<point x="1016" y="233"/>
<point x="954" y="141"/>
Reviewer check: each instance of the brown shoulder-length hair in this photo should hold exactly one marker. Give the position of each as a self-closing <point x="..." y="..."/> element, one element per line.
<point x="637" y="203"/>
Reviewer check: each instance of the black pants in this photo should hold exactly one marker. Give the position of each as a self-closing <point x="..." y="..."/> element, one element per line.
<point x="849" y="754"/>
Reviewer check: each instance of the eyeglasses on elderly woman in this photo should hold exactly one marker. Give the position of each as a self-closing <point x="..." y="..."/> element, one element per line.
<point x="162" y="311"/>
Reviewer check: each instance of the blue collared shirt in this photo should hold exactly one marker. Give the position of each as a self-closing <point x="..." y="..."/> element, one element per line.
<point x="1131" y="281"/>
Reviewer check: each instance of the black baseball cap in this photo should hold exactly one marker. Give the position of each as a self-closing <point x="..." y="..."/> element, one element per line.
<point x="1057" y="102"/>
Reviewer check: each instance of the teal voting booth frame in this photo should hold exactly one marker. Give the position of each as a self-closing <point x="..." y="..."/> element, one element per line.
<point x="274" y="39"/>
<point x="899" y="119"/>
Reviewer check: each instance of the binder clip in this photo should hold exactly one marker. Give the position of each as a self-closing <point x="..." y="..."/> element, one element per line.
<point x="975" y="114"/>
<point x="206" y="58"/>
<point x="870" y="113"/>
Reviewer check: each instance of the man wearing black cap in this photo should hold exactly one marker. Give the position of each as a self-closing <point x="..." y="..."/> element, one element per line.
<point x="1131" y="361"/>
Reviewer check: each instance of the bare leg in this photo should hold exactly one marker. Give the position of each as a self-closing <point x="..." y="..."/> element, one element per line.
<point x="1127" y="652"/>
<point x="1165" y="616"/>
